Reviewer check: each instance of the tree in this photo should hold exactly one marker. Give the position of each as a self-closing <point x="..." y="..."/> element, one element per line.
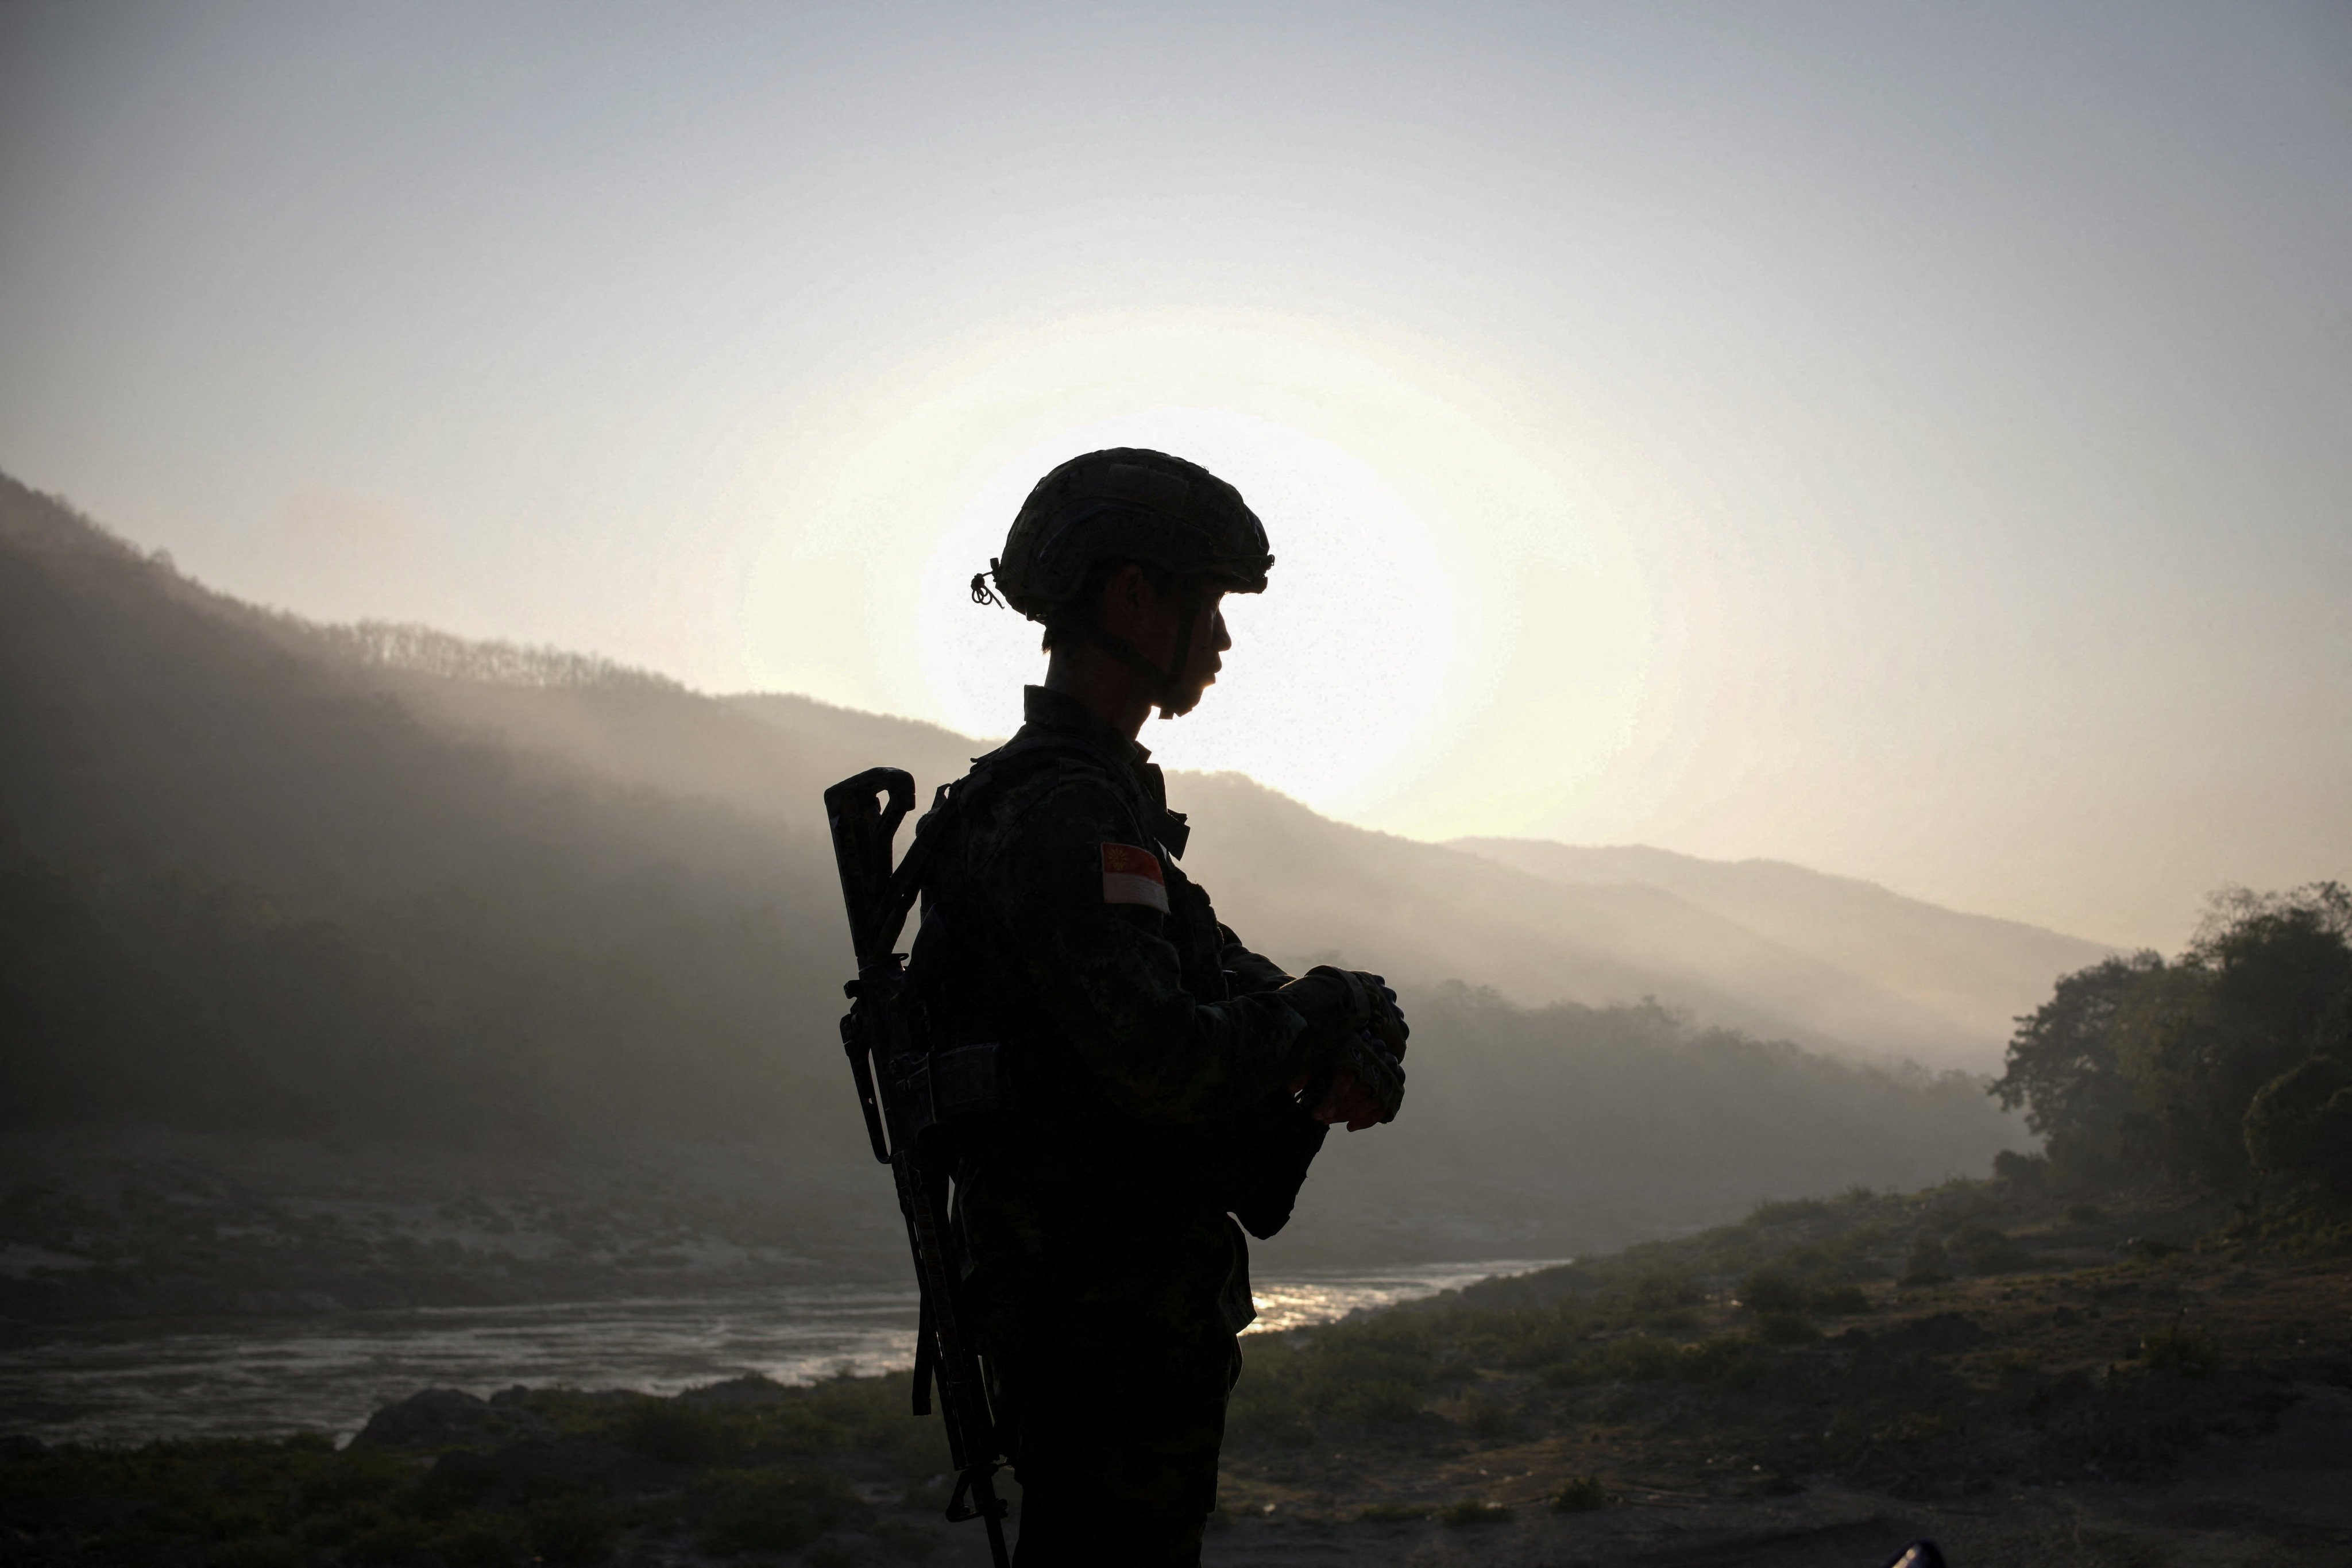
<point x="2200" y="1068"/>
<point x="2301" y="1124"/>
<point x="2063" y="1066"/>
<point x="2279" y="980"/>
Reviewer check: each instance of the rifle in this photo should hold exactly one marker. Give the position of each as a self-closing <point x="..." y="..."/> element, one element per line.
<point x="906" y="1092"/>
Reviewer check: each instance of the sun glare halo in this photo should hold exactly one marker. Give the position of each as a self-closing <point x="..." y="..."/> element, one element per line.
<point x="1359" y="618"/>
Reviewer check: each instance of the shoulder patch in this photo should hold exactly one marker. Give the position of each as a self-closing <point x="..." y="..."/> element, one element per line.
<point x="1132" y="876"/>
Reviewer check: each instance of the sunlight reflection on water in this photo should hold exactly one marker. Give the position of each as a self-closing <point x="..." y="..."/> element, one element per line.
<point x="1320" y="1296"/>
<point x="119" y="1383"/>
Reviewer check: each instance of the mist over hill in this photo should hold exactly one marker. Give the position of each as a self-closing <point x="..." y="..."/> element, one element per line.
<point x="1775" y="950"/>
<point x="261" y="874"/>
<point x="1876" y="961"/>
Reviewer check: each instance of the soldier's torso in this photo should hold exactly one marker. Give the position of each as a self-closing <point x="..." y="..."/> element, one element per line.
<point x="1062" y="1193"/>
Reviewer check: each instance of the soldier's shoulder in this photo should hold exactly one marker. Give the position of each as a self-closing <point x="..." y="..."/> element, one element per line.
<point x="1043" y="795"/>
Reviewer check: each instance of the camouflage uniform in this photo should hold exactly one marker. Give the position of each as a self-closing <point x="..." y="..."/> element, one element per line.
<point x="1147" y="1099"/>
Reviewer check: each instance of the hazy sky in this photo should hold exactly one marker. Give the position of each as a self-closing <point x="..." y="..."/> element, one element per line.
<point x="1912" y="441"/>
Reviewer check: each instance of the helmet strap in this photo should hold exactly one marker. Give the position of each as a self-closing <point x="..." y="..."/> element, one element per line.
<point x="1163" y="681"/>
<point x="1119" y="648"/>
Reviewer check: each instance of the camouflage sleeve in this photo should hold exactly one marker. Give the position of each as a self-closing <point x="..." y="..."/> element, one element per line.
<point x="1099" y="955"/>
<point x="1246" y="970"/>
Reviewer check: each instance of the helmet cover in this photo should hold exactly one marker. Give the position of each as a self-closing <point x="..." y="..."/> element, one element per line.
<point x="1127" y="503"/>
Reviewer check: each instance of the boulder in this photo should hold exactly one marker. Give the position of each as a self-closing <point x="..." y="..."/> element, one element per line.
<point x="451" y="1418"/>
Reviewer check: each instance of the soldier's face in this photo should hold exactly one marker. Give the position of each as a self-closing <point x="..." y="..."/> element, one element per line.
<point x="1152" y="621"/>
<point x="1206" y="656"/>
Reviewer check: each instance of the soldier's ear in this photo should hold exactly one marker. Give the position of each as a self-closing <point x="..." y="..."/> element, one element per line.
<point x="1127" y="596"/>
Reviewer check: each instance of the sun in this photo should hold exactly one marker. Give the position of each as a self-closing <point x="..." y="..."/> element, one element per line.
<point x="1340" y="672"/>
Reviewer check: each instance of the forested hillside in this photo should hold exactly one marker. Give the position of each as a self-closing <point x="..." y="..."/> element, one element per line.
<point x="257" y="874"/>
<point x="245" y="885"/>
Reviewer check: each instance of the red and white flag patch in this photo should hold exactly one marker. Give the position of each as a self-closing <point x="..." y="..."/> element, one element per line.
<point x="1132" y="876"/>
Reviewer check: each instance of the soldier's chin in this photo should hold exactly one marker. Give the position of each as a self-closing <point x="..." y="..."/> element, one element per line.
<point x="1186" y="703"/>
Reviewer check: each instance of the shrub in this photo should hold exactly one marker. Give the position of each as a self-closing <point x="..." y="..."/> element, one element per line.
<point x="1274" y="1423"/>
<point x="1470" y="1511"/>
<point x="1988" y="1251"/>
<point x="1488" y="1418"/>
<point x="2300" y="1124"/>
<point x="356" y="1475"/>
<point x="1769" y="1292"/>
<point x="1378" y="1403"/>
<point x="1663" y="1289"/>
<point x="1841" y="1300"/>
<point x="902" y="1539"/>
<point x="1786" y="1210"/>
<point x="680" y="1433"/>
<point x="1785" y="1328"/>
<point x="338" y="1526"/>
<point x="397" y="1540"/>
<point x="1637" y="1358"/>
<point x="1372" y="1372"/>
<point x="1581" y="1494"/>
<point x="479" y="1542"/>
<point x="2025" y="1169"/>
<point x="839" y="1415"/>
<point x="568" y="1531"/>
<point x="1927" y="1264"/>
<point x="772" y="1510"/>
<point x="2181" y="1346"/>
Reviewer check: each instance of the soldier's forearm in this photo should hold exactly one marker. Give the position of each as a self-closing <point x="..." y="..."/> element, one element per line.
<point x="1248" y="972"/>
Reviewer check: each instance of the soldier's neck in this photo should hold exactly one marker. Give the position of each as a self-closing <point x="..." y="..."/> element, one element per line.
<point x="1112" y="691"/>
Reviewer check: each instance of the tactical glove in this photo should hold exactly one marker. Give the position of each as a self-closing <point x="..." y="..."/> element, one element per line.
<point x="1388" y="1023"/>
<point x="1353" y="1028"/>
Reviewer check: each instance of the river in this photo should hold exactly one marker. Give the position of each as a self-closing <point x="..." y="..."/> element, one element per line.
<point x="130" y="1382"/>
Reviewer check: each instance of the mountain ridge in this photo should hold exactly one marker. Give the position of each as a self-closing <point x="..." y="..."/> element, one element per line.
<point x="1767" y="946"/>
<point x="1787" y="902"/>
<point x="256" y="880"/>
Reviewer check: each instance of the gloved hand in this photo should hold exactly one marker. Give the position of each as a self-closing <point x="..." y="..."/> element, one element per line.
<point x="1355" y="1034"/>
<point x="1361" y="1096"/>
<point x="1388" y="1023"/>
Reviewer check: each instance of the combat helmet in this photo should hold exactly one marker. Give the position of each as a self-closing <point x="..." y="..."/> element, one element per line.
<point x="1127" y="503"/>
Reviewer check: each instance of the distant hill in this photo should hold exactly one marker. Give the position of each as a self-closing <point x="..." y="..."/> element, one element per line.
<point x="1775" y="950"/>
<point x="260" y="873"/>
<point x="1881" y="955"/>
<point x="1837" y="963"/>
<point x="246" y="879"/>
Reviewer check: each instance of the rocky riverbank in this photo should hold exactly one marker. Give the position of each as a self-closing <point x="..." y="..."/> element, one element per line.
<point x="154" y="1226"/>
<point x="2126" y="1379"/>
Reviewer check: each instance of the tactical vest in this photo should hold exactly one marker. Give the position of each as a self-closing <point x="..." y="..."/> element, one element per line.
<point x="1023" y="1104"/>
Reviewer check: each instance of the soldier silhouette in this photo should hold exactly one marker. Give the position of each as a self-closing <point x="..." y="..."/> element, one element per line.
<point x="1159" y="1080"/>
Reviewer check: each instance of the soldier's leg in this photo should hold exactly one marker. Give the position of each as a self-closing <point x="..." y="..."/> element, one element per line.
<point x="1115" y="1438"/>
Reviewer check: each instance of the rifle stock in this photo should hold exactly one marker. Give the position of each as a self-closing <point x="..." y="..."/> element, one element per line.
<point x="893" y="1073"/>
